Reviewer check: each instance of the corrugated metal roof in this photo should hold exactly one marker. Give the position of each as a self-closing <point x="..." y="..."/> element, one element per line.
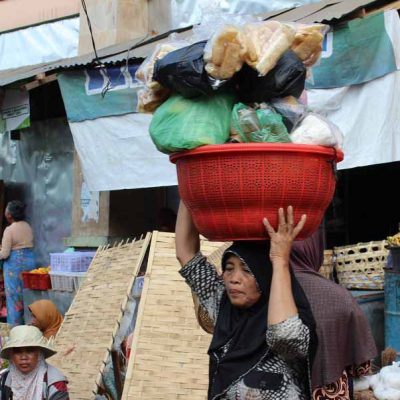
<point x="115" y="53"/>
<point x="299" y="13"/>
<point x="326" y="10"/>
<point x="339" y="10"/>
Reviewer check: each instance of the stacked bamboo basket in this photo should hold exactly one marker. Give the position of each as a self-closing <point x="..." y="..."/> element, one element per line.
<point x="87" y="333"/>
<point x="361" y="266"/>
<point x="169" y="350"/>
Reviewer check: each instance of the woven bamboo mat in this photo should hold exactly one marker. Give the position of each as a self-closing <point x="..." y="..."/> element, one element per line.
<point x="4" y="329"/>
<point x="93" y="318"/>
<point x="169" y="350"/>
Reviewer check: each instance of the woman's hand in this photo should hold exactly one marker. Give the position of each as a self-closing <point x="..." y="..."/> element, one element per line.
<point x="282" y="238"/>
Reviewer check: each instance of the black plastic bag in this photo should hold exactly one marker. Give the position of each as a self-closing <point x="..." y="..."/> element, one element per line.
<point x="287" y="78"/>
<point x="183" y="71"/>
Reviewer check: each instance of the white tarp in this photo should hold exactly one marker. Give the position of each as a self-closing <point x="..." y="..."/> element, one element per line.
<point x="39" y="44"/>
<point x="369" y="117"/>
<point x="117" y="153"/>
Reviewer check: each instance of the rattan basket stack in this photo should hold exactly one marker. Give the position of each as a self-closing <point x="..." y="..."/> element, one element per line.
<point x="361" y="266"/>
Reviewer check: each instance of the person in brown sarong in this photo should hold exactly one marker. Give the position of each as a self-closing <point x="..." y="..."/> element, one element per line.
<point x="46" y="317"/>
<point x="345" y="342"/>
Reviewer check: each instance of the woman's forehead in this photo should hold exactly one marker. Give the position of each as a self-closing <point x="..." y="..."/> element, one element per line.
<point x="236" y="260"/>
<point x="232" y="258"/>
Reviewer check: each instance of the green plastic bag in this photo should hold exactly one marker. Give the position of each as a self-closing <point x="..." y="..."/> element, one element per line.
<point x="244" y="122"/>
<point x="273" y="122"/>
<point x="183" y="124"/>
<point x="263" y="125"/>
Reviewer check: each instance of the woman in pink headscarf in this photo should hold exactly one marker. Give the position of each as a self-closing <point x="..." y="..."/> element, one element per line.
<point x="345" y="342"/>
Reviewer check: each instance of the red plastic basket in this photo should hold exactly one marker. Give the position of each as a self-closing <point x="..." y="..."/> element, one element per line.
<point x="36" y="281"/>
<point x="229" y="188"/>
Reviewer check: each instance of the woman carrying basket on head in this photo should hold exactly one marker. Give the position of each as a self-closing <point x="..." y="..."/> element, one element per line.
<point x="17" y="251"/>
<point x="264" y="332"/>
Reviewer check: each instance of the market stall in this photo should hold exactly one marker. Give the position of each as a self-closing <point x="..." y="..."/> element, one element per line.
<point x="59" y="282"/>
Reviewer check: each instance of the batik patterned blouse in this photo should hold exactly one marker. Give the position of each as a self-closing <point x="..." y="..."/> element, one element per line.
<point x="284" y="374"/>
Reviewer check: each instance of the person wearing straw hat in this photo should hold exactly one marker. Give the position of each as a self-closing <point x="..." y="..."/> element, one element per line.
<point x="264" y="337"/>
<point x="29" y="376"/>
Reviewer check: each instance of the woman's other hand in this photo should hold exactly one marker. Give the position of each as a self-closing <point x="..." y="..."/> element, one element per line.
<point x="281" y="302"/>
<point x="282" y="238"/>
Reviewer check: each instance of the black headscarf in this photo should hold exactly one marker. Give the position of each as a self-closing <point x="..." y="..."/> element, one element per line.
<point x="245" y="329"/>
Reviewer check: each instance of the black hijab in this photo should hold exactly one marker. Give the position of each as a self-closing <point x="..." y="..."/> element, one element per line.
<point x="245" y="329"/>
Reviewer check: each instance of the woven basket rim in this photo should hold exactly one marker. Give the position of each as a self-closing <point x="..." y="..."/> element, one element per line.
<point x="361" y="269"/>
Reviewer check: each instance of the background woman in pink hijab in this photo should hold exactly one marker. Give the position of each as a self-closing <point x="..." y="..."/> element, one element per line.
<point x="345" y="342"/>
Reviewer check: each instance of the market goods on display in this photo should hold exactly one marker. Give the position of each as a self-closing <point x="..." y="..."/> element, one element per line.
<point x="261" y="65"/>
<point x="41" y="270"/>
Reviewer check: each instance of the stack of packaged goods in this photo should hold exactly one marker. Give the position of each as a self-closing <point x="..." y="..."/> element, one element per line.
<point x="235" y="88"/>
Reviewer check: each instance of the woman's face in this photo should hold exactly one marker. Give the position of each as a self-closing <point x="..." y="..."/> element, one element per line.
<point x="25" y="359"/>
<point x="240" y="284"/>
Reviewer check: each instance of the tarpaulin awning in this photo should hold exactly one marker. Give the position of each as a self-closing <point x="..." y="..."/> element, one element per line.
<point x="112" y="140"/>
<point x="359" y="51"/>
<point x="369" y="117"/>
<point x="117" y="153"/>
<point x="93" y="92"/>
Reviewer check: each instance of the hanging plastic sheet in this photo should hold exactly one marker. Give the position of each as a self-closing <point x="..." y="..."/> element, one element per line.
<point x="118" y="153"/>
<point x="37" y="169"/>
<point x="368" y="117"/>
<point x="93" y="92"/>
<point x="358" y="51"/>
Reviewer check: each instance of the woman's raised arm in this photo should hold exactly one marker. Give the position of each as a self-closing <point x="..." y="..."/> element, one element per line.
<point x="187" y="241"/>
